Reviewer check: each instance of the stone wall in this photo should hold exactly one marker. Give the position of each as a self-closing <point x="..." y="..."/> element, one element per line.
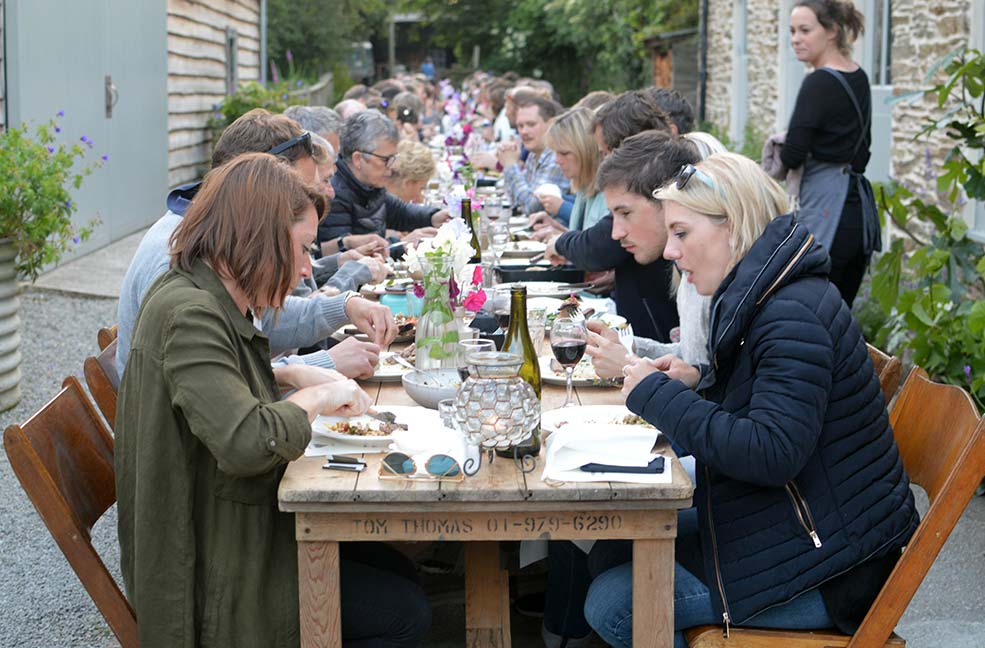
<point x="719" y="71"/>
<point x="197" y="74"/>
<point x="921" y="36"/>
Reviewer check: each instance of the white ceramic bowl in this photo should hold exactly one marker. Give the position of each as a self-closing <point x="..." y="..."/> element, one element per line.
<point x="430" y="387"/>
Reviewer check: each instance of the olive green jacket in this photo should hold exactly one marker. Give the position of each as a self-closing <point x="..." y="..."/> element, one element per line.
<point x="201" y="444"/>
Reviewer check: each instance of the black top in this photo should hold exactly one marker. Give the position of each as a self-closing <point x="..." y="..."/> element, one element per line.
<point x="643" y="293"/>
<point x="825" y="123"/>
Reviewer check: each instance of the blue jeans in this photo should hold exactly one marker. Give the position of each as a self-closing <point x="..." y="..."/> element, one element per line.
<point x="609" y="604"/>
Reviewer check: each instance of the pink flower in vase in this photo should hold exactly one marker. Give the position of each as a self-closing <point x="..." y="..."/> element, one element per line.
<point x="418" y="291"/>
<point x="475" y="300"/>
<point x="453" y="291"/>
<point x="477" y="276"/>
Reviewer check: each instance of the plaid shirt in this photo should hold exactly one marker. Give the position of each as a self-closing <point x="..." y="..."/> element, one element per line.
<point x="537" y="170"/>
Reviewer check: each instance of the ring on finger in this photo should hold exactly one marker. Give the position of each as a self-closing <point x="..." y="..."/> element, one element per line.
<point x="625" y="369"/>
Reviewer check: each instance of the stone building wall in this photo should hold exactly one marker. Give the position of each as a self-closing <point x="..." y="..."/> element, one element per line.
<point x="763" y="21"/>
<point x="921" y="36"/>
<point x="718" y="85"/>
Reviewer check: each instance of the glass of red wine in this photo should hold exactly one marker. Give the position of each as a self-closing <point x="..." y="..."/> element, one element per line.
<point x="569" y="337"/>
<point x="467" y="348"/>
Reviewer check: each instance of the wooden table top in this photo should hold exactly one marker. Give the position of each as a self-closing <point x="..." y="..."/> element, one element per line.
<point x="498" y="485"/>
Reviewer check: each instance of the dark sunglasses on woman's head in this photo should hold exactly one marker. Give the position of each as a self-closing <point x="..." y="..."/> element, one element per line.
<point x="689" y="171"/>
<point x="303" y="139"/>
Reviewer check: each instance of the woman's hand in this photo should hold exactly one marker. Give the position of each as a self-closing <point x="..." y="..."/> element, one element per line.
<point x="378" y="270"/>
<point x="420" y="233"/>
<point x="344" y="399"/>
<point x="441" y="217"/>
<point x="551" y="203"/>
<point x="373" y="319"/>
<point x="608" y="354"/>
<point x="671" y="365"/>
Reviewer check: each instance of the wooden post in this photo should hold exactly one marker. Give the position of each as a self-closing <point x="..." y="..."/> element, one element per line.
<point x="653" y="587"/>
<point x="320" y="604"/>
<point x="487" y="597"/>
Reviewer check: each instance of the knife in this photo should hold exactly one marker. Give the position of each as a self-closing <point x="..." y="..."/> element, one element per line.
<point x="385" y="417"/>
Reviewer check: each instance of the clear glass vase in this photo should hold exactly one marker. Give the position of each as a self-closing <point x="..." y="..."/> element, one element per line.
<point x="437" y="328"/>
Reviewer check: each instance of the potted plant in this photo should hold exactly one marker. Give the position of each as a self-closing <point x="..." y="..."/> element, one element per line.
<point x="37" y="176"/>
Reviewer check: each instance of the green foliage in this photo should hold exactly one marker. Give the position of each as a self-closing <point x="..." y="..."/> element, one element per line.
<point x="579" y="45"/>
<point x="752" y="139"/>
<point x="932" y="289"/>
<point x="275" y="98"/>
<point x="37" y="177"/>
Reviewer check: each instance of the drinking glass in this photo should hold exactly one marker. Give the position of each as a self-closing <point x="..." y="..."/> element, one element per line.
<point x="569" y="338"/>
<point x="468" y="347"/>
<point x="499" y="236"/>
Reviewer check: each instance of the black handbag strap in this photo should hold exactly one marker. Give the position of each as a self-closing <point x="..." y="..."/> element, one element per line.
<point x="864" y="121"/>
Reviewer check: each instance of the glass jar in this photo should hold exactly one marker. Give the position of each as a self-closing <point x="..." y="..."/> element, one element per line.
<point x="437" y="329"/>
<point x="494" y="407"/>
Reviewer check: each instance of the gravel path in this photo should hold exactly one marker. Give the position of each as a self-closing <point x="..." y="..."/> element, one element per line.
<point x="43" y="605"/>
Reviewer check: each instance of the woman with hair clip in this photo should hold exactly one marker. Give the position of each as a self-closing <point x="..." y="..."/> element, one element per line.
<point x="203" y="436"/>
<point x="802" y="503"/>
<point x="829" y="137"/>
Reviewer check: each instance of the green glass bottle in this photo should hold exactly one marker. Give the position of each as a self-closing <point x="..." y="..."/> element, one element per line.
<point x="467" y="217"/>
<point x="518" y="342"/>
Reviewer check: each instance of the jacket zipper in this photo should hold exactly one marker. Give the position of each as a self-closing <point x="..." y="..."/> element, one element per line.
<point x="714" y="555"/>
<point x="801" y="509"/>
<point x="800" y="253"/>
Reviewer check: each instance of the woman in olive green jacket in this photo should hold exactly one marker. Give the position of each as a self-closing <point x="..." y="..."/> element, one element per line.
<point x="203" y="438"/>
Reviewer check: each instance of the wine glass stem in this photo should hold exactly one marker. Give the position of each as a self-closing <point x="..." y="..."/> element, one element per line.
<point x="569" y="370"/>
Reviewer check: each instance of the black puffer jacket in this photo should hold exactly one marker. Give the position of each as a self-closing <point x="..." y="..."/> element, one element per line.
<point x="360" y="209"/>
<point x="798" y="477"/>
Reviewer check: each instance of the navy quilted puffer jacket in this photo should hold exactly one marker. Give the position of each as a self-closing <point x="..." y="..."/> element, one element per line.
<point x="798" y="476"/>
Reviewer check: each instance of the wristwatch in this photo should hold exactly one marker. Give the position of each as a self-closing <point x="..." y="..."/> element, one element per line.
<point x="347" y="295"/>
<point x="342" y="247"/>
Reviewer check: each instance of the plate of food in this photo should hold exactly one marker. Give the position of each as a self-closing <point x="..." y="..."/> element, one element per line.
<point x="555" y="289"/>
<point x="389" y="285"/>
<point x="524" y="249"/>
<point x="390" y="369"/>
<point x="368" y="431"/>
<point x="406" y="330"/>
<point x="552" y="373"/>
<point x="554" y="420"/>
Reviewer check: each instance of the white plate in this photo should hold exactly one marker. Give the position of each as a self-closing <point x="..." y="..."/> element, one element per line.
<point x="590" y="414"/>
<point x="584" y="375"/>
<point x="380" y="288"/>
<point x="417" y="419"/>
<point x="388" y="371"/>
<point x="553" y="289"/>
<point x="524" y="249"/>
<point x="519" y="221"/>
<point x="549" y="304"/>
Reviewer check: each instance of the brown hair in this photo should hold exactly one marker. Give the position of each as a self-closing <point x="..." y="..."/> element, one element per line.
<point x="572" y="131"/>
<point x="547" y="108"/>
<point x="628" y="114"/>
<point x="240" y="224"/>
<point x="595" y="99"/>
<point x="839" y="15"/>
<point x="646" y="161"/>
<point x="258" y="131"/>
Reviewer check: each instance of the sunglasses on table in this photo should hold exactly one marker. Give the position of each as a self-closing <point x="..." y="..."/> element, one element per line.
<point x="388" y="160"/>
<point x="439" y="467"/>
<point x="303" y="139"/>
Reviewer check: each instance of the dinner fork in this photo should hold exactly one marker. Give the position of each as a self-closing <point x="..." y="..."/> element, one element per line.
<point x="626" y="337"/>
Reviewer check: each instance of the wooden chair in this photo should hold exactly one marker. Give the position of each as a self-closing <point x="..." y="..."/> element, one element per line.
<point x="105" y="335"/>
<point x="103" y="381"/>
<point x="889" y="369"/>
<point x="63" y="457"/>
<point x="941" y="440"/>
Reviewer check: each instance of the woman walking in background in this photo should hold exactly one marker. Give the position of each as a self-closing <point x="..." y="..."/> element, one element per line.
<point x="829" y="136"/>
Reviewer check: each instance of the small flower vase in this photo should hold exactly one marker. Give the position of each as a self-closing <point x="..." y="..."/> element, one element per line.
<point x="437" y="327"/>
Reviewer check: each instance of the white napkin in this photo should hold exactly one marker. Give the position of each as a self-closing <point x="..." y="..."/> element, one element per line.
<point x="322" y="447"/>
<point x="619" y="445"/>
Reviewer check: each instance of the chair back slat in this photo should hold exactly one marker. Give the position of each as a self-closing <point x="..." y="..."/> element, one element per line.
<point x="106" y="335"/>
<point x="103" y="381"/>
<point x="63" y="458"/>
<point x="941" y="440"/>
<point x="889" y="369"/>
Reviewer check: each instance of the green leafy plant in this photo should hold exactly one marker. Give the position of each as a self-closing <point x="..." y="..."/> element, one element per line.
<point x="274" y="98"/>
<point x="931" y="283"/>
<point x="37" y="176"/>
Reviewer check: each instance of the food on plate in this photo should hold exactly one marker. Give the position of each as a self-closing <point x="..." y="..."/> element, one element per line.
<point x="583" y="370"/>
<point x="631" y="419"/>
<point x="356" y="428"/>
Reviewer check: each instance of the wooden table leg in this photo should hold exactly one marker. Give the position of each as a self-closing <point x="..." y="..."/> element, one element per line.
<point x="653" y="593"/>
<point x="318" y="590"/>
<point x="487" y="597"/>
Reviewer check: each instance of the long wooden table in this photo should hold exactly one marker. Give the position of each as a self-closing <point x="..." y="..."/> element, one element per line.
<point x="499" y="503"/>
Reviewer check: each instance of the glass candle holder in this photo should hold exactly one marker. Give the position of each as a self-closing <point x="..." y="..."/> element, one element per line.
<point x="494" y="407"/>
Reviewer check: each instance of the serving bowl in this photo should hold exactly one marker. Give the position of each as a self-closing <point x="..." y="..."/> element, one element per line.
<point x="430" y="387"/>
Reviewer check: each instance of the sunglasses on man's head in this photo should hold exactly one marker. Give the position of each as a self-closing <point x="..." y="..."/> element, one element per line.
<point x="303" y="139"/>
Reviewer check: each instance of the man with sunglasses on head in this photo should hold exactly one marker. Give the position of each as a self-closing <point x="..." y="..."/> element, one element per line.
<point x="362" y="207"/>
<point x="303" y="321"/>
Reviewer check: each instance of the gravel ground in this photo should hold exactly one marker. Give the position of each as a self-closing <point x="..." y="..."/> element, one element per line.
<point x="43" y="605"/>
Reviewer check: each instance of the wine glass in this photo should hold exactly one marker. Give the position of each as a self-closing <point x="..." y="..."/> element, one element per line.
<point x="467" y="348"/>
<point x="569" y="338"/>
<point x="499" y="236"/>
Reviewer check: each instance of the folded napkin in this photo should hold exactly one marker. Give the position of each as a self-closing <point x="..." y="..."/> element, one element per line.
<point x="575" y="445"/>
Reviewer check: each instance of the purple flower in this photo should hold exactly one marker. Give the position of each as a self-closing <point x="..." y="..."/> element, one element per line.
<point x="418" y="291"/>
<point x="299" y="83"/>
<point x="967" y="373"/>
<point x="105" y="158"/>
<point x="76" y="240"/>
<point x="284" y="96"/>
<point x="453" y="291"/>
<point x="274" y="75"/>
<point x="84" y="138"/>
<point x="290" y="56"/>
<point x="57" y="129"/>
<point x="61" y="113"/>
<point x="51" y="149"/>
<point x="68" y="204"/>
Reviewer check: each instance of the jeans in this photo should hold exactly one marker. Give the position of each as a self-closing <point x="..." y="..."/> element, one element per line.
<point x="383" y="606"/>
<point x="609" y="604"/>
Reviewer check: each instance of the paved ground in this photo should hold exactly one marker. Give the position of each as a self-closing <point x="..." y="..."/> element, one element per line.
<point x="43" y="605"/>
